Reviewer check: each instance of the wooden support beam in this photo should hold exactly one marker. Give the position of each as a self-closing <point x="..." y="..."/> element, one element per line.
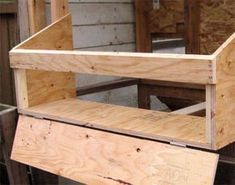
<point x="105" y="86"/>
<point x="191" y="109"/>
<point x="168" y="67"/>
<point x="59" y="8"/>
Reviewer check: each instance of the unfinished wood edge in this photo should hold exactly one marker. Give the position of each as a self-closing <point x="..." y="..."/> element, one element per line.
<point x="21" y="88"/>
<point x="180" y="142"/>
<point x="21" y="45"/>
<point x="191" y="109"/>
<point x="210" y="114"/>
<point x="58" y="9"/>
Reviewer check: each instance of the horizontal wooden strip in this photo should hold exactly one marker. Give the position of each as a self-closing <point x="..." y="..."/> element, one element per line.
<point x="191" y="109"/>
<point x="132" y="121"/>
<point x="167" y="67"/>
<point x="100" y="158"/>
<point x="8" y="7"/>
<point x="105" y="86"/>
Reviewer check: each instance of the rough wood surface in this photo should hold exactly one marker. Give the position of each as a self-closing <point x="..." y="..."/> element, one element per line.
<point x="168" y="67"/>
<point x="217" y="23"/>
<point x="133" y="121"/>
<point x="56" y="85"/>
<point x="225" y="94"/>
<point x="96" y="157"/>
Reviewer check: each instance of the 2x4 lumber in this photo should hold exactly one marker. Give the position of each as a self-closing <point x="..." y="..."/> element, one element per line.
<point x="168" y="67"/>
<point x="36" y="13"/>
<point x="59" y="8"/>
<point x="105" y="86"/>
<point x="191" y="109"/>
<point x="150" y="124"/>
<point x="95" y="157"/>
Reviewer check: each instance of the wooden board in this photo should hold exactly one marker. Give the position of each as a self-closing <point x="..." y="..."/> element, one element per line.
<point x="140" y="122"/>
<point x="225" y="94"/>
<point x="40" y="86"/>
<point x="99" y="158"/>
<point x="167" y="67"/>
<point x="217" y="23"/>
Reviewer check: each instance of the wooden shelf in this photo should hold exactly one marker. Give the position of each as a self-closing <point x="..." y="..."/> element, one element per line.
<point x="131" y="121"/>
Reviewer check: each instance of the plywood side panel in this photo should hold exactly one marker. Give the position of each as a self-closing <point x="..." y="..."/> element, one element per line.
<point x="167" y="67"/>
<point x="225" y="94"/>
<point x="132" y="121"/>
<point x="100" y="158"/>
<point x="217" y="23"/>
<point x="45" y="86"/>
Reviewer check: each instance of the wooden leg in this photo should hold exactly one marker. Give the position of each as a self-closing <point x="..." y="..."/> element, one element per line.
<point x="17" y="172"/>
<point x="143" y="96"/>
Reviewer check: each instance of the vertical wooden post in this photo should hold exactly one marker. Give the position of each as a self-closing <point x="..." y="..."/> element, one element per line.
<point x="143" y="36"/>
<point x="59" y="8"/>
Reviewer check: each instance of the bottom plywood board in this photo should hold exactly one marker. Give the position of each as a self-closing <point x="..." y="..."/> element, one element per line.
<point x="101" y="158"/>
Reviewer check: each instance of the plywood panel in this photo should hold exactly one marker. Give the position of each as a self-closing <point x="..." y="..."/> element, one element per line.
<point x="216" y="23"/>
<point x="41" y="86"/>
<point x="225" y="94"/>
<point x="145" y="123"/>
<point x="95" y="157"/>
<point x="167" y="67"/>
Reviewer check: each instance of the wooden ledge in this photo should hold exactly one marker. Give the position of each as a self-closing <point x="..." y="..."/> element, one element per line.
<point x="188" y="130"/>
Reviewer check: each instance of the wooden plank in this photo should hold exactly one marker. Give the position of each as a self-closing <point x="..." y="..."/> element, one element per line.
<point x="59" y="8"/>
<point x="225" y="97"/>
<point x="17" y="173"/>
<point x="8" y="7"/>
<point x="23" y="19"/>
<point x="96" y="157"/>
<point x="37" y="18"/>
<point x="98" y="35"/>
<point x="168" y="67"/>
<point x="57" y="85"/>
<point x="156" y="125"/>
<point x="105" y="86"/>
<point x="191" y="109"/>
<point x="143" y="36"/>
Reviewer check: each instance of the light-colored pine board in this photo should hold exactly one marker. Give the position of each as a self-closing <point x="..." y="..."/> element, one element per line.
<point x="99" y="158"/>
<point x="225" y="93"/>
<point x="191" y="109"/>
<point x="168" y="67"/>
<point x="36" y="15"/>
<point x="59" y="8"/>
<point x="43" y="86"/>
<point x="133" y="121"/>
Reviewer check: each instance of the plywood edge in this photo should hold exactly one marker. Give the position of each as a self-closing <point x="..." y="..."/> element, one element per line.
<point x="141" y="123"/>
<point x="95" y="157"/>
<point x="177" y="68"/>
<point x="225" y="97"/>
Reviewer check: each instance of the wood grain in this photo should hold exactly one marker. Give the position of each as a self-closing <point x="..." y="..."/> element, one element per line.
<point x="96" y="157"/>
<point x="164" y="126"/>
<point x="45" y="86"/>
<point x="225" y="94"/>
<point x="167" y="67"/>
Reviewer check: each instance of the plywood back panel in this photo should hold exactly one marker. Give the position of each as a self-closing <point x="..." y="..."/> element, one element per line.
<point x="225" y="93"/>
<point x="95" y="157"/>
<point x="42" y="86"/>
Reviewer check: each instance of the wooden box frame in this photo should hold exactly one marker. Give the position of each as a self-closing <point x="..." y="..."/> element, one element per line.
<point x="45" y="83"/>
